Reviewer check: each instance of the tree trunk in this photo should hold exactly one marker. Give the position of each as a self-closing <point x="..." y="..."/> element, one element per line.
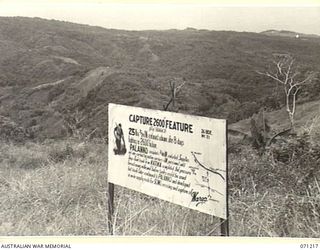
<point x="291" y="121"/>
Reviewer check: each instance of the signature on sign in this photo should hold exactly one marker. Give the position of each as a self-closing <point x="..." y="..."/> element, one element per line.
<point x="198" y="199"/>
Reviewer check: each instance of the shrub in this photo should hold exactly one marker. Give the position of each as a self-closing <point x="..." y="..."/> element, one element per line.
<point x="299" y="160"/>
<point x="11" y="131"/>
<point x="61" y="154"/>
<point x="288" y="166"/>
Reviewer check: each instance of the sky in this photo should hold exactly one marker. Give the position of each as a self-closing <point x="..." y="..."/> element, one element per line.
<point x="167" y="15"/>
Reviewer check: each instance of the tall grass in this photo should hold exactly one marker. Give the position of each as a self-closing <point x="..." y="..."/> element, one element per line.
<point x="44" y="190"/>
<point x="59" y="188"/>
<point x="277" y="194"/>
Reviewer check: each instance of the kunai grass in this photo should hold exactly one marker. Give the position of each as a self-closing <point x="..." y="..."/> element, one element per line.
<point x="60" y="188"/>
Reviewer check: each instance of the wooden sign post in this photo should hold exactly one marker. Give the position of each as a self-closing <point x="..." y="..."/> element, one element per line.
<point x="110" y="206"/>
<point x="224" y="227"/>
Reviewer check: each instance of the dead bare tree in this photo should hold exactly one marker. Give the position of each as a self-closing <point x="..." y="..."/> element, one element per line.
<point x="174" y="90"/>
<point x="286" y="74"/>
<point x="72" y="121"/>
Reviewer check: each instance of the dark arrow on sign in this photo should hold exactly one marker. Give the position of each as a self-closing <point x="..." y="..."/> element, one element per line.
<point x="208" y="169"/>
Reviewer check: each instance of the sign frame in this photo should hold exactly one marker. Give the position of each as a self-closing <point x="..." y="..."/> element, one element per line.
<point x="224" y="223"/>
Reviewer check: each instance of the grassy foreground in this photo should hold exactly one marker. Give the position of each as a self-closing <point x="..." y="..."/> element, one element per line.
<point x="59" y="188"/>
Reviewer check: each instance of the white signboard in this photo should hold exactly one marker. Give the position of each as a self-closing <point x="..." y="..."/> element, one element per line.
<point x="175" y="157"/>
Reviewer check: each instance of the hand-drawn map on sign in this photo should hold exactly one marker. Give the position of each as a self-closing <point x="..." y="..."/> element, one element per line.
<point x="175" y="157"/>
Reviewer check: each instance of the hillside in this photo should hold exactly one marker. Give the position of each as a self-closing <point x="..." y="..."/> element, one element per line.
<point x="54" y="74"/>
<point x="307" y="119"/>
<point x="287" y="33"/>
